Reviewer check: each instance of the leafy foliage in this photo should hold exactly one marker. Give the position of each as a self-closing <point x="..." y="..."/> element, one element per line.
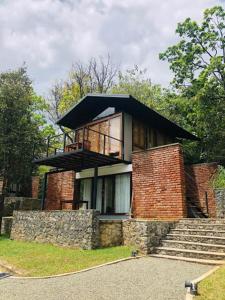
<point x="198" y="101"/>
<point x="198" y="64"/>
<point x="219" y="180"/>
<point x="97" y="76"/>
<point x="21" y="126"/>
<point x="136" y="83"/>
<point x="201" y="51"/>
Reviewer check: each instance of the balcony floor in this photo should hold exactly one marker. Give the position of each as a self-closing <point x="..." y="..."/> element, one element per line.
<point x="78" y="160"/>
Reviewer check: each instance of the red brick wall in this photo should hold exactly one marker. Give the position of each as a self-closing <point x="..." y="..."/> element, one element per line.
<point x="60" y="186"/>
<point x="35" y="186"/>
<point x="159" y="183"/>
<point x="198" y="181"/>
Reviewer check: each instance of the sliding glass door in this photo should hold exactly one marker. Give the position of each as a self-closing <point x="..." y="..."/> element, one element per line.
<point x="86" y="190"/>
<point x="113" y="193"/>
<point x="122" y="193"/>
<point x="109" y="188"/>
<point x="99" y="195"/>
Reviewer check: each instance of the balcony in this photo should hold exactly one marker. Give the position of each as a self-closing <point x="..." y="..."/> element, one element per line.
<point x="81" y="149"/>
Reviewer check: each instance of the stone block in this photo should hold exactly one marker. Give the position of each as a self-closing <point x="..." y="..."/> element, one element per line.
<point x="220" y="203"/>
<point x="145" y="235"/>
<point x="110" y="233"/>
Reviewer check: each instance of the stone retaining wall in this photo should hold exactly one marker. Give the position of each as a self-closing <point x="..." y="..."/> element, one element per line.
<point x="111" y="233"/>
<point x="83" y="229"/>
<point x="79" y="228"/>
<point x="220" y="203"/>
<point x="145" y="235"/>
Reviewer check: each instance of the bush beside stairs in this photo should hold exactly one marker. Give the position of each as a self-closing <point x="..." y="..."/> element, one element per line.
<point x="196" y="240"/>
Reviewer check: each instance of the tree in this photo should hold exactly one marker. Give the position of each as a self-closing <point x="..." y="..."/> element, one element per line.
<point x="136" y="83"/>
<point x="21" y="126"/>
<point x="198" y="64"/>
<point x="200" y="54"/>
<point x="97" y="76"/>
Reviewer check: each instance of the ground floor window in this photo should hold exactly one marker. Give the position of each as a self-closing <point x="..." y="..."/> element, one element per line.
<point x="122" y="193"/>
<point x="85" y="190"/>
<point x="113" y="193"/>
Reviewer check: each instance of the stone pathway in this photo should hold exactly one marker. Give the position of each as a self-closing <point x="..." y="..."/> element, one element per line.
<point x="144" y="278"/>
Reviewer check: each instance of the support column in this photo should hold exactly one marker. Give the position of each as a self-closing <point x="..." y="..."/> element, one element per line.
<point x="44" y="185"/>
<point x="95" y="184"/>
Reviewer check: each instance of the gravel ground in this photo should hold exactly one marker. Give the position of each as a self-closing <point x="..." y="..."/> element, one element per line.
<point x="144" y="278"/>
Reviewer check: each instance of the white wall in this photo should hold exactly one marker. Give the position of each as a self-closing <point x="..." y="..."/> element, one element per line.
<point x="106" y="170"/>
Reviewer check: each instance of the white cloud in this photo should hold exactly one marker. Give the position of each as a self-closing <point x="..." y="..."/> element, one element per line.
<point x="51" y="34"/>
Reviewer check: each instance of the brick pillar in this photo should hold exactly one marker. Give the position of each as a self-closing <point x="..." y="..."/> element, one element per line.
<point x="35" y="181"/>
<point x="60" y="186"/>
<point x="159" y="183"/>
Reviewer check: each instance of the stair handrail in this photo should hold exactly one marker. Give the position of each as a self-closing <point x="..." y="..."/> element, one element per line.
<point x="203" y="190"/>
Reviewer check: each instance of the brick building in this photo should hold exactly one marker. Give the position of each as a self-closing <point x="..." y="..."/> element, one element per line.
<point x="123" y="158"/>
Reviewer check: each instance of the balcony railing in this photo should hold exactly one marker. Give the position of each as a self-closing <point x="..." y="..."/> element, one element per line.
<point x="83" y="139"/>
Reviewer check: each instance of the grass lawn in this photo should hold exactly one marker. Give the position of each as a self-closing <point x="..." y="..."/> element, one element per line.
<point x="35" y="259"/>
<point x="213" y="287"/>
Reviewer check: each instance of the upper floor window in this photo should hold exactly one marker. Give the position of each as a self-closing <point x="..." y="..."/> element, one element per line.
<point x="105" y="113"/>
<point x="138" y="135"/>
<point x="145" y="137"/>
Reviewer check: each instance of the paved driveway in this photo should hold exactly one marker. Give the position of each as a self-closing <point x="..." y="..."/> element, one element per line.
<point x="145" y="278"/>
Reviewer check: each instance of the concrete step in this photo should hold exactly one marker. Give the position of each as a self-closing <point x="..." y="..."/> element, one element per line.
<point x="193" y="246"/>
<point x="219" y="233"/>
<point x="188" y="259"/>
<point x="204" y="226"/>
<point x="196" y="238"/>
<point x="202" y="220"/>
<point x="190" y="253"/>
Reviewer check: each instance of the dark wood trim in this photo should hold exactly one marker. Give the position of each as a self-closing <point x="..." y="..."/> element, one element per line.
<point x="103" y="195"/>
<point x="95" y="187"/>
<point x="131" y="187"/>
<point x="146" y="137"/>
<point x="73" y="160"/>
<point x="113" y="192"/>
<point x="76" y="191"/>
<point x="123" y="134"/>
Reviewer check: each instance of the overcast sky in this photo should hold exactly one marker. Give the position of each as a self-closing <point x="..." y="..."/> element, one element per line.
<point x="49" y="35"/>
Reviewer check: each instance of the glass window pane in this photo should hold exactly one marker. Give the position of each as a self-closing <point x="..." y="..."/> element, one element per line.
<point x="99" y="195"/>
<point x="108" y="195"/>
<point x="122" y="193"/>
<point x="85" y="190"/>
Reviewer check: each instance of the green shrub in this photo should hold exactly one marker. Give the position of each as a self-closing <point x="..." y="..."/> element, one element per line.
<point x="219" y="180"/>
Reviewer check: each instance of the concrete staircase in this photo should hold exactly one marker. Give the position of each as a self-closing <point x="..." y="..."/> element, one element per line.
<point x="197" y="240"/>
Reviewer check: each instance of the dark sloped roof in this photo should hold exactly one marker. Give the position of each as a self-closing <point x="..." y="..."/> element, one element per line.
<point x="93" y="104"/>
